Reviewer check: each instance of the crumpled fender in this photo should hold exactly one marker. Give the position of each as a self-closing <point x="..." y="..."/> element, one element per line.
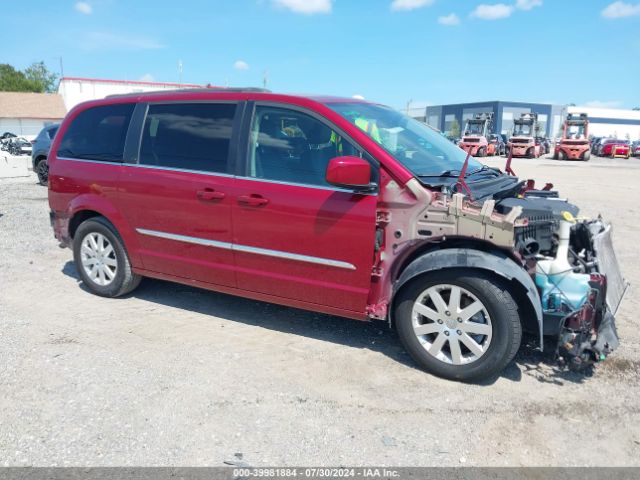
<point x="496" y="262"/>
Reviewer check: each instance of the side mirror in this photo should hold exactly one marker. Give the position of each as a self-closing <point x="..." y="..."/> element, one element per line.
<point x="349" y="172"/>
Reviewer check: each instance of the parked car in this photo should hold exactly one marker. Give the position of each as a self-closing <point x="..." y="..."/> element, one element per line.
<point x="543" y="144"/>
<point x="500" y="147"/>
<point x="635" y="148"/>
<point x="19" y="146"/>
<point x="334" y="205"/>
<point x="612" y="147"/>
<point x="5" y="140"/>
<point x="40" y="152"/>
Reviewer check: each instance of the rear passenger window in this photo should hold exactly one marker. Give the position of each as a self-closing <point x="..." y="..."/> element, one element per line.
<point x="98" y="134"/>
<point x="190" y="136"/>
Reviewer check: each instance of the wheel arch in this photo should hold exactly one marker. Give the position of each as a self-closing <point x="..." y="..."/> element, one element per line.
<point x="496" y="264"/>
<point x="80" y="211"/>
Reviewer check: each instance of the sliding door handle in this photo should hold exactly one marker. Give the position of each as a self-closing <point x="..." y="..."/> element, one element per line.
<point x="210" y="194"/>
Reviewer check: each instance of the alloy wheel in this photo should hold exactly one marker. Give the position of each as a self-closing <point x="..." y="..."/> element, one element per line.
<point x="452" y="324"/>
<point x="98" y="259"/>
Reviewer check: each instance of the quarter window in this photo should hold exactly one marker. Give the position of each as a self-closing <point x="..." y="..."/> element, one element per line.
<point x="98" y="133"/>
<point x="291" y="146"/>
<point x="190" y="136"/>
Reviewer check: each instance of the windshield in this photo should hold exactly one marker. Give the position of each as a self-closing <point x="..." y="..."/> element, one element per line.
<point x="474" y="128"/>
<point x="575" y="131"/>
<point x="523" y="130"/>
<point x="418" y="147"/>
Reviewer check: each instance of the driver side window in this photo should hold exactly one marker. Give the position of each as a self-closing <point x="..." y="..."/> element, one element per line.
<point x="291" y="146"/>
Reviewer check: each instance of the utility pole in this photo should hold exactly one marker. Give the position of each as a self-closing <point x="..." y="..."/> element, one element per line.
<point x="61" y="77"/>
<point x="180" y="72"/>
<point x="409" y="105"/>
<point x="265" y="78"/>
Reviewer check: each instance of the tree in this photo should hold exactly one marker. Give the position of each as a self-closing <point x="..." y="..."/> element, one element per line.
<point x="40" y="75"/>
<point x="35" y="78"/>
<point x="12" y="80"/>
<point x="636" y="109"/>
<point x="454" y="130"/>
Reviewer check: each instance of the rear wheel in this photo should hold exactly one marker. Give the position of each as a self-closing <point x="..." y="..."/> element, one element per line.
<point x="587" y="156"/>
<point x="482" y="152"/>
<point x="561" y="155"/>
<point x="42" y="171"/>
<point x="458" y="324"/>
<point x="101" y="260"/>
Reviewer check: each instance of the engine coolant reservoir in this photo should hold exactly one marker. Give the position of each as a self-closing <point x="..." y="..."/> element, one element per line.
<point x="560" y="287"/>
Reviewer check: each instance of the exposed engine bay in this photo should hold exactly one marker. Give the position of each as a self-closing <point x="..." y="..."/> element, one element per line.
<point x="576" y="273"/>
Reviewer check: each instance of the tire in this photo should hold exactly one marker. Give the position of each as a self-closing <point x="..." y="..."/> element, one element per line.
<point x="499" y="313"/>
<point x="122" y="279"/>
<point x="42" y="171"/>
<point x="482" y="153"/>
<point x="587" y="156"/>
<point x="561" y="155"/>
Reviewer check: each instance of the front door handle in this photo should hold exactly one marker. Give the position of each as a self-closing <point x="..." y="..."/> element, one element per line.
<point x="210" y="194"/>
<point x="253" y="200"/>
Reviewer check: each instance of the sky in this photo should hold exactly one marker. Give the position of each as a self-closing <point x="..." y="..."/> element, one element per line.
<point x="585" y="52"/>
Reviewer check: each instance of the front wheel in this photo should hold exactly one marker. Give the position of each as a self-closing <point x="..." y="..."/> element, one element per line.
<point x="101" y="259"/>
<point x="482" y="152"/>
<point x="587" y="156"/>
<point x="458" y="324"/>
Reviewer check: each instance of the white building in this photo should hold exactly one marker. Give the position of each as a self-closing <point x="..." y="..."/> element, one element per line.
<point x="75" y="90"/>
<point x="25" y="113"/>
<point x="611" y="122"/>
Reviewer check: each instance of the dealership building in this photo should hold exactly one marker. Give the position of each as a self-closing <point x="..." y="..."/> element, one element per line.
<point x="602" y="122"/>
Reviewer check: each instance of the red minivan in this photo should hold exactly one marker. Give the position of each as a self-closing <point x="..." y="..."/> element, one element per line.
<point x="334" y="205"/>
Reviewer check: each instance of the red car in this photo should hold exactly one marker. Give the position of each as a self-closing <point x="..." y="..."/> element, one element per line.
<point x="615" y="148"/>
<point x="333" y="205"/>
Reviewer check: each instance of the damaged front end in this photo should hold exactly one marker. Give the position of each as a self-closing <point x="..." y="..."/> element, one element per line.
<point x="577" y="275"/>
<point x="581" y="289"/>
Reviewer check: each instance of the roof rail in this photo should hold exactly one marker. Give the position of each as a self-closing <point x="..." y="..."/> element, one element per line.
<point x="193" y="90"/>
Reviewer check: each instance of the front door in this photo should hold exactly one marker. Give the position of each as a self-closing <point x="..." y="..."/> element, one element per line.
<point x="295" y="236"/>
<point x="178" y="197"/>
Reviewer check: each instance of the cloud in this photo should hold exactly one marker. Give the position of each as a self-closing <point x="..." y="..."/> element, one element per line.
<point x="147" y="77"/>
<point x="528" y="4"/>
<point x="94" y="41"/>
<point x="450" y="20"/>
<point x="306" y="7"/>
<point x="241" y="65"/>
<point x="492" y="12"/>
<point x="621" y="10"/>
<point x="83" y="7"/>
<point x="603" y="104"/>
<point x="398" y="5"/>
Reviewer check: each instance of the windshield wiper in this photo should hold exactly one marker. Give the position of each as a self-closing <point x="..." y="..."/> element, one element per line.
<point x="446" y="173"/>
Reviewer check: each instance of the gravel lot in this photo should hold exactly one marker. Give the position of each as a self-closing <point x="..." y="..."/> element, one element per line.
<point x="174" y="375"/>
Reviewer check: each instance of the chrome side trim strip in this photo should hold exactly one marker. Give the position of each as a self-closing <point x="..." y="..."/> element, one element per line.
<point x="294" y="256"/>
<point x="184" y="238"/>
<point x="247" y="249"/>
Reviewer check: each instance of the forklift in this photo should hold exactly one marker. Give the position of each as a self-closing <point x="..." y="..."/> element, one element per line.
<point x="475" y="140"/>
<point x="523" y="142"/>
<point x="574" y="144"/>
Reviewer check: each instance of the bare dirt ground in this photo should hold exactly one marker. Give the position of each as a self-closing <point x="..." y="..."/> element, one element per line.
<point x="174" y="375"/>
